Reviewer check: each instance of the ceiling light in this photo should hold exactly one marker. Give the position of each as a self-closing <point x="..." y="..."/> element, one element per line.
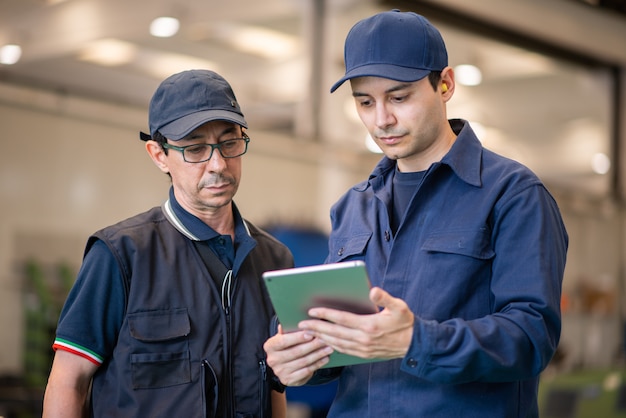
<point x="10" y="54"/>
<point x="264" y="42"/>
<point x="160" y="64"/>
<point x="164" y="27"/>
<point x="109" y="52"/>
<point x="163" y="65"/>
<point x="260" y="41"/>
<point x="468" y="75"/>
<point x="600" y="163"/>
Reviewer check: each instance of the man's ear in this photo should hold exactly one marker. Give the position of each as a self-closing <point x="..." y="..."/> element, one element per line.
<point x="447" y="83"/>
<point x="156" y="152"/>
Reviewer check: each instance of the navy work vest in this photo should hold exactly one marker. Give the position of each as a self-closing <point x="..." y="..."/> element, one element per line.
<point x="180" y="353"/>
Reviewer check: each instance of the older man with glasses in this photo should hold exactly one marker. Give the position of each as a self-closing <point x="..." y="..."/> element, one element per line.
<point x="168" y="314"/>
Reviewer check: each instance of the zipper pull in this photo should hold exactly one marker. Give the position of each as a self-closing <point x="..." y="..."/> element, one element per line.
<point x="263" y="367"/>
<point x="226" y="285"/>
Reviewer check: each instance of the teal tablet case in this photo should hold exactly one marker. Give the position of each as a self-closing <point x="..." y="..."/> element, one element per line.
<point x="343" y="286"/>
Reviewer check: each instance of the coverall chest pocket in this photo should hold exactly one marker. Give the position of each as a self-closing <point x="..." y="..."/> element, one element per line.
<point x="475" y="243"/>
<point x="160" y="348"/>
<point x="348" y="248"/>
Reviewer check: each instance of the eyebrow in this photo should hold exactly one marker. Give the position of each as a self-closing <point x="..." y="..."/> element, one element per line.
<point x="228" y="129"/>
<point x="393" y="89"/>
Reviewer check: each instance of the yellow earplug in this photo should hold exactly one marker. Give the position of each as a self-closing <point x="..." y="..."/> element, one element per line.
<point x="444" y="87"/>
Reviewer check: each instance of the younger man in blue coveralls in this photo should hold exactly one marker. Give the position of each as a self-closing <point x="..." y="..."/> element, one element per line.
<point x="465" y="249"/>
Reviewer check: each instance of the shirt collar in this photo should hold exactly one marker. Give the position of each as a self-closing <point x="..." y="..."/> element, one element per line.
<point x="464" y="157"/>
<point x="194" y="228"/>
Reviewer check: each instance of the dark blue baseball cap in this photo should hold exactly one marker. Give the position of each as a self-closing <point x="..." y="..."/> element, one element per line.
<point x="402" y="46"/>
<point x="186" y="100"/>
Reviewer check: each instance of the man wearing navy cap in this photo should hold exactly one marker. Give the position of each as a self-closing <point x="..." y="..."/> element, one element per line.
<point x="168" y="314"/>
<point x="465" y="250"/>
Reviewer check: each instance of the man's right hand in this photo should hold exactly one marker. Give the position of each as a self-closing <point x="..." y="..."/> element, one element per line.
<point x="295" y="356"/>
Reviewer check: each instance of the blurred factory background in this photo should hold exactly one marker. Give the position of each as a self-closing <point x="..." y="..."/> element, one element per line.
<point x="546" y="85"/>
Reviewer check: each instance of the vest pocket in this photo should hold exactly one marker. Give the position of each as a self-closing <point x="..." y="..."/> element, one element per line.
<point x="159" y="325"/>
<point x="157" y="370"/>
<point x="160" y="351"/>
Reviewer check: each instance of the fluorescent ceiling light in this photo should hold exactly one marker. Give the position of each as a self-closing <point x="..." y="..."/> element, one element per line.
<point x="109" y="52"/>
<point x="264" y="42"/>
<point x="10" y="54"/>
<point x="468" y="75"/>
<point x="164" y="27"/>
<point x="164" y="65"/>
<point x="160" y="64"/>
<point x="600" y="163"/>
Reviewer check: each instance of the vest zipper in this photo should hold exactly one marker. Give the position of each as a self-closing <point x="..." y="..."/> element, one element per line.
<point x="226" y="304"/>
<point x="262" y="386"/>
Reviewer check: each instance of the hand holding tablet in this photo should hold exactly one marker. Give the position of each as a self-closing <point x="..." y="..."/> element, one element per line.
<point x="343" y="286"/>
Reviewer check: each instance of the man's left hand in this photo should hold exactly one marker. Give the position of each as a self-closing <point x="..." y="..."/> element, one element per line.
<point x="386" y="334"/>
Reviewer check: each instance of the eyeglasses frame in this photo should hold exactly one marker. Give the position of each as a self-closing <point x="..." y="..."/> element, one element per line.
<point x="217" y="146"/>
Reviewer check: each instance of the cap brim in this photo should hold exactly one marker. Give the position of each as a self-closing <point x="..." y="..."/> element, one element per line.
<point x="183" y="126"/>
<point x="392" y="72"/>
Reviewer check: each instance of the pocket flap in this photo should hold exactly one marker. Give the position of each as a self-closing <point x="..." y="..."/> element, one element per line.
<point x="159" y="325"/>
<point x="471" y="243"/>
<point x="341" y="248"/>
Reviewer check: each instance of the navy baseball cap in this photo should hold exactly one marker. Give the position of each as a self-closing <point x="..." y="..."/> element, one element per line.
<point x="186" y="100"/>
<point x="402" y="46"/>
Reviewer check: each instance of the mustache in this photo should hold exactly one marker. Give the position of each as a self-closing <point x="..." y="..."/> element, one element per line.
<point x="216" y="179"/>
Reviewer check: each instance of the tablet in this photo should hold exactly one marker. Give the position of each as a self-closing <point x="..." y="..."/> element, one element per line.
<point x="344" y="286"/>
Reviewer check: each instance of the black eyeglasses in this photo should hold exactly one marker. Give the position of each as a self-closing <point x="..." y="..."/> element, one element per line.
<point x="199" y="153"/>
